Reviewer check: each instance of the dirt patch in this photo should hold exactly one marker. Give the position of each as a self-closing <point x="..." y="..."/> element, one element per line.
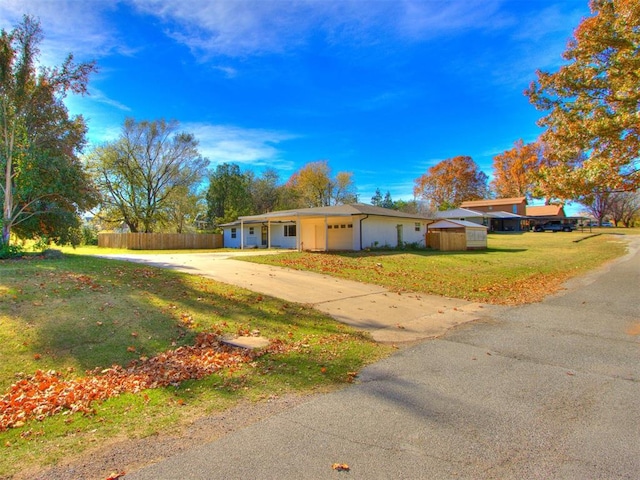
<point x="132" y="454"/>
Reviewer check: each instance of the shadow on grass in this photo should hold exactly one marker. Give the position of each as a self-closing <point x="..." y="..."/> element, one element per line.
<point x="86" y="312"/>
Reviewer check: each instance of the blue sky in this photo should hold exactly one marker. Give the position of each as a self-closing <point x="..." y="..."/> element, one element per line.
<point x="382" y="89"/>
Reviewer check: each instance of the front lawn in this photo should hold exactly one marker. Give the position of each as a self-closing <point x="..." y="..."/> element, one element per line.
<point x="515" y="269"/>
<point x="70" y="327"/>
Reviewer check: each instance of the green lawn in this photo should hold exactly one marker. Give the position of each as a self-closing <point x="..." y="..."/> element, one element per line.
<point x="516" y="268"/>
<point x="84" y="313"/>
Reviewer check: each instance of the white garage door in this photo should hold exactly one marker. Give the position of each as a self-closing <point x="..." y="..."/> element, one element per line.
<point x="340" y="236"/>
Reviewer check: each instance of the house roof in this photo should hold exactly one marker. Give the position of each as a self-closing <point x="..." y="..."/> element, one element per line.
<point x="455" y="224"/>
<point x="467" y="213"/>
<point x="494" y="201"/>
<point x="460" y="213"/>
<point x="545" y="211"/>
<point x="502" y="215"/>
<point x="336" y="211"/>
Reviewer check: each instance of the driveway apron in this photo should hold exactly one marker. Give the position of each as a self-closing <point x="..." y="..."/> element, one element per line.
<point x="389" y="317"/>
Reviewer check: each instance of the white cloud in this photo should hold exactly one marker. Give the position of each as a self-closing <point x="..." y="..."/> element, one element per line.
<point x="248" y="27"/>
<point x="69" y="27"/>
<point x="248" y="147"/>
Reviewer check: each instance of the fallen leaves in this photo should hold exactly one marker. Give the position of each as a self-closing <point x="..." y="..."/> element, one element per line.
<point x="47" y="393"/>
<point x="115" y="475"/>
<point x="341" y="467"/>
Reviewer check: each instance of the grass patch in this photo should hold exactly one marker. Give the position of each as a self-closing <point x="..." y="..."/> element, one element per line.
<point x="80" y="313"/>
<point x="515" y="269"/>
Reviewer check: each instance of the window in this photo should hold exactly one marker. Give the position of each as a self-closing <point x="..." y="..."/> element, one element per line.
<point x="233" y="233"/>
<point x="289" y="230"/>
<point x="515" y="209"/>
<point x="417" y="226"/>
<point x="251" y="231"/>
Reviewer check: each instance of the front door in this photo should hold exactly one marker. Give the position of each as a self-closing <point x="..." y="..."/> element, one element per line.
<point x="265" y="235"/>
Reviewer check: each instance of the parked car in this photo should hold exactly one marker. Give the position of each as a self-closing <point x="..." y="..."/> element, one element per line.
<point x="554" y="226"/>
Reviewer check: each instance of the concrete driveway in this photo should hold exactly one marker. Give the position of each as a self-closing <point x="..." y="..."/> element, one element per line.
<point x="389" y="317"/>
<point x="549" y="390"/>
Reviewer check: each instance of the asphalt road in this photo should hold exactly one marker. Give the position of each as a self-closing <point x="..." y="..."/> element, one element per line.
<point x="548" y="390"/>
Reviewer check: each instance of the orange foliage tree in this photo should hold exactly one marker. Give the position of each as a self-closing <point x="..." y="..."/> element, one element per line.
<point x="592" y="121"/>
<point x="514" y="170"/>
<point x="451" y="182"/>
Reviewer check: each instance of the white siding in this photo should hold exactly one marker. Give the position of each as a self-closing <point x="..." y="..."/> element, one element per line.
<point x="253" y="240"/>
<point x="476" y="237"/>
<point x="383" y="232"/>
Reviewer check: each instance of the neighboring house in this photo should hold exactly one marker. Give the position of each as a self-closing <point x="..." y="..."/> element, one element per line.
<point x="342" y="227"/>
<point x="496" y="221"/>
<point x="515" y="205"/>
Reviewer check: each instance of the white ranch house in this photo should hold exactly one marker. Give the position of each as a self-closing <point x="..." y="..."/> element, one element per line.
<point x="341" y="227"/>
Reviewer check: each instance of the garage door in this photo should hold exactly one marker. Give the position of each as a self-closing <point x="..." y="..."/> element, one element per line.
<point x="340" y="236"/>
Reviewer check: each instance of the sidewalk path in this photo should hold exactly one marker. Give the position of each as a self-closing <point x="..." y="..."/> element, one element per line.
<point x="388" y="316"/>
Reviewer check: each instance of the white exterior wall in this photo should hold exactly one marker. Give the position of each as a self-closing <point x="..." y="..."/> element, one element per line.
<point x="384" y="231"/>
<point x="476" y="237"/>
<point x="278" y="240"/>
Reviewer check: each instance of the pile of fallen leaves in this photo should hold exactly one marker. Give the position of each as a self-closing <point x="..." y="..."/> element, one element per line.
<point x="48" y="393"/>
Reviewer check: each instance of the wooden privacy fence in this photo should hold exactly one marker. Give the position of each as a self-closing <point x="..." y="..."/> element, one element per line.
<point x="160" y="241"/>
<point x="447" y="241"/>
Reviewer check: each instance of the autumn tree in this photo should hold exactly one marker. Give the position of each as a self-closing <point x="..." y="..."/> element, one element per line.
<point x="313" y="186"/>
<point x="43" y="183"/>
<point x="592" y="104"/>
<point x="140" y="172"/>
<point x="451" y="182"/>
<point x="624" y="207"/>
<point x="229" y="194"/>
<point x="597" y="204"/>
<point x="514" y="170"/>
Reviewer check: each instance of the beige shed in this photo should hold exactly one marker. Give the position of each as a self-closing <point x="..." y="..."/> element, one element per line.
<point x="456" y="235"/>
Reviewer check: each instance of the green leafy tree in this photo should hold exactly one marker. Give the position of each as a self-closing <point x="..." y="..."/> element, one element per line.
<point x="313" y="186"/>
<point x="229" y="194"/>
<point x="42" y="181"/>
<point x="265" y="192"/>
<point x="592" y="105"/>
<point x="182" y="210"/>
<point x="377" y="198"/>
<point x="140" y="173"/>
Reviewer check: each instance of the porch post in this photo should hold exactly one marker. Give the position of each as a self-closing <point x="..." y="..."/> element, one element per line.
<point x="326" y="233"/>
<point x="269" y="234"/>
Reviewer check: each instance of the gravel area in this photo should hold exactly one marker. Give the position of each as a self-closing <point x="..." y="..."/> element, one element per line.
<point x="129" y="455"/>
